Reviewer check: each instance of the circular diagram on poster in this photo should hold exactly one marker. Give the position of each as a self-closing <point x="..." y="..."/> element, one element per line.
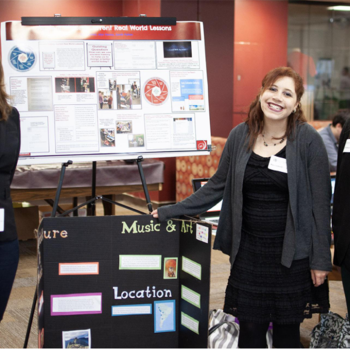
<point x="21" y="59"/>
<point x="156" y="91"/>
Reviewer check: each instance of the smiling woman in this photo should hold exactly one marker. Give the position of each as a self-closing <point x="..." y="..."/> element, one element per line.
<point x="272" y="165"/>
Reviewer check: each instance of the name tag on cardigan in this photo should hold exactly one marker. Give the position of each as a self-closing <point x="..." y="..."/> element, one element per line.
<point x="2" y="219"/>
<point x="347" y="146"/>
<point x="278" y="164"/>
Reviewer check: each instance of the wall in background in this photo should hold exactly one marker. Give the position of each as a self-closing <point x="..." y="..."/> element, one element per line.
<point x="260" y="44"/>
<point x="13" y="10"/>
<point x="217" y="17"/>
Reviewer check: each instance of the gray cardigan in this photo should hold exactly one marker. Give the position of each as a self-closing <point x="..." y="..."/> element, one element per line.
<point x="308" y="218"/>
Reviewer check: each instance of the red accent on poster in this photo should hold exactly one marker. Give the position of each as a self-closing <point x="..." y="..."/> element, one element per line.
<point x="156" y="91"/>
<point x="202" y="145"/>
<point x="195" y="97"/>
<point x="181" y="31"/>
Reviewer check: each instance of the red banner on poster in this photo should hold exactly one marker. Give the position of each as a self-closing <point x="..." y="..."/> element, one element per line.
<point x="181" y="31"/>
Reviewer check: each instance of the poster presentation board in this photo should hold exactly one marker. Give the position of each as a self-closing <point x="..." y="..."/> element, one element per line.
<point x="123" y="282"/>
<point x="89" y="93"/>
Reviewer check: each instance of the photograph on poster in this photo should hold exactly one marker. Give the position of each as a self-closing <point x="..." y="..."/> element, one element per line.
<point x="106" y="99"/>
<point x="189" y="322"/>
<point x="178" y="55"/>
<point x="107" y="137"/>
<point x="74" y="84"/>
<point x="65" y="85"/>
<point x="125" y="98"/>
<point x="124" y="126"/>
<point x="112" y="83"/>
<point x="78" y="339"/>
<point x="170" y="268"/>
<point x="164" y="316"/>
<point x="135" y="89"/>
<point x="192" y="268"/>
<point x="191" y="296"/>
<point x="177" y="49"/>
<point x="136" y="140"/>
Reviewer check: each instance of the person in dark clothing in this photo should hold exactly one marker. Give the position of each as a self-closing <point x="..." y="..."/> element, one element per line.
<point x="274" y="180"/>
<point x="9" y="152"/>
<point x="341" y="208"/>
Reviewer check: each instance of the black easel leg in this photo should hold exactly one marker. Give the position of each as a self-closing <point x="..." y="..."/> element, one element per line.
<point x="93" y="194"/>
<point x="144" y="185"/>
<point x="30" y="320"/>
<point x="59" y="187"/>
<point x="91" y="209"/>
<point x="53" y="214"/>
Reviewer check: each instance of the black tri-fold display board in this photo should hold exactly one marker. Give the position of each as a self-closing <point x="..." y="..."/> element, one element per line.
<point x="123" y="282"/>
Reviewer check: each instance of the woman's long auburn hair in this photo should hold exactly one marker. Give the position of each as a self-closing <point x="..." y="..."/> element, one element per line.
<point x="5" y="108"/>
<point x="255" y="119"/>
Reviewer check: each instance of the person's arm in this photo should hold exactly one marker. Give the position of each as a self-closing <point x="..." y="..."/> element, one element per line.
<point x="332" y="151"/>
<point x="207" y="196"/>
<point x="17" y="122"/>
<point x="320" y="186"/>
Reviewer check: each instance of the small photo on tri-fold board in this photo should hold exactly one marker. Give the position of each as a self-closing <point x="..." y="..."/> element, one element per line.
<point x="170" y="268"/>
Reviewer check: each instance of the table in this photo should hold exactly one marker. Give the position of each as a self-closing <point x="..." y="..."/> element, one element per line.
<point x="38" y="182"/>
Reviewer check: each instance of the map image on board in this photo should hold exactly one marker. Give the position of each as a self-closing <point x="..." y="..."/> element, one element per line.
<point x="156" y="91"/>
<point x="164" y="316"/>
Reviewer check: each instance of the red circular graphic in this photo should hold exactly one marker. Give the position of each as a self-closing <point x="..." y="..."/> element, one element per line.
<point x="201" y="145"/>
<point x="156" y="91"/>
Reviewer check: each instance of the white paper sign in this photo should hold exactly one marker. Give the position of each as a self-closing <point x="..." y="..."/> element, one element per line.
<point x="278" y="164"/>
<point x="192" y="268"/>
<point x="2" y="219"/>
<point x="202" y="233"/>
<point x="145" y="309"/>
<point x="189" y="323"/>
<point x="347" y="146"/>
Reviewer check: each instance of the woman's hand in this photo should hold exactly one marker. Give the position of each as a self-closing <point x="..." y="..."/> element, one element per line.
<point x="318" y="277"/>
<point x="155" y="213"/>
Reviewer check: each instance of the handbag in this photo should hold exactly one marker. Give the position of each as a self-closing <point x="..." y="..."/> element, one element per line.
<point x="224" y="331"/>
<point x="331" y="332"/>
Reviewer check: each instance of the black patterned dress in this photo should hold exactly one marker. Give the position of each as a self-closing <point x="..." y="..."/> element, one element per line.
<point x="260" y="289"/>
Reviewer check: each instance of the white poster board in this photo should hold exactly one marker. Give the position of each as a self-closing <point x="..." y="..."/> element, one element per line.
<point x="89" y="93"/>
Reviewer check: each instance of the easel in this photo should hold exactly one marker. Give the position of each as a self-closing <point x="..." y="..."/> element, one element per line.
<point x="91" y="203"/>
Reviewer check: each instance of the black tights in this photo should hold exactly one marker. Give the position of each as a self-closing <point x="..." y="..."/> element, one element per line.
<point x="253" y="335"/>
